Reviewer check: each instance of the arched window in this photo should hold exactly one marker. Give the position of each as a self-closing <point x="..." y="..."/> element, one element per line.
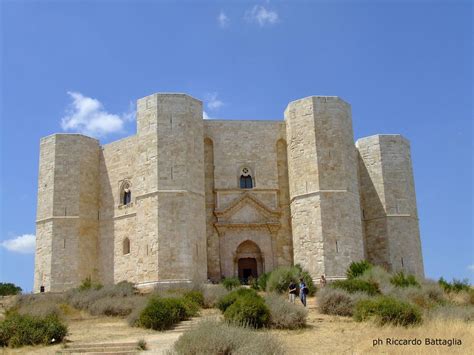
<point x="126" y="193"/>
<point x="126" y="246"/>
<point x="245" y="179"/>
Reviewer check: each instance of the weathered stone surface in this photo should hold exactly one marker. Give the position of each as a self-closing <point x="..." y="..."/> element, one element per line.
<point x="390" y="215"/>
<point x="166" y="205"/>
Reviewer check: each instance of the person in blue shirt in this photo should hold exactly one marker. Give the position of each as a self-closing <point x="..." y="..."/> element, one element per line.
<point x="303" y="292"/>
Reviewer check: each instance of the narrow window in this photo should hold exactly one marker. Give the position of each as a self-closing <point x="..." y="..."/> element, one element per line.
<point x="126" y="193"/>
<point x="402" y="262"/>
<point x="337" y="248"/>
<point x="126" y="246"/>
<point x="246" y="182"/>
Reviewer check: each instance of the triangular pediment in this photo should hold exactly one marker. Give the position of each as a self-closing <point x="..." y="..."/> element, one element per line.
<point x="247" y="209"/>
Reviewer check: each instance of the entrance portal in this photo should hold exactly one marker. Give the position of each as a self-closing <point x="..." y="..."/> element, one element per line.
<point x="247" y="268"/>
<point x="248" y="261"/>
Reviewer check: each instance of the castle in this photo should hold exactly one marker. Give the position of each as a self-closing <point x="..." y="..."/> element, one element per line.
<point x="188" y="199"/>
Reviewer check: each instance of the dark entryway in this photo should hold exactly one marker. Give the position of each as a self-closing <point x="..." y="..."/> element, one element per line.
<point x="247" y="268"/>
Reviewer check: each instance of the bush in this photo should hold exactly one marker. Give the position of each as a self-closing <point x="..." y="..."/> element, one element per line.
<point x="40" y="304"/>
<point x="162" y="313"/>
<point x="231" y="282"/>
<point x="195" y="296"/>
<point x="262" y="281"/>
<point x="212" y="294"/>
<point x="452" y="312"/>
<point x="114" y="306"/>
<point x="7" y="289"/>
<point x="387" y="310"/>
<point x="357" y="285"/>
<point x="281" y="277"/>
<point x="88" y="284"/>
<point x="380" y="276"/>
<point x="248" y="310"/>
<point x="402" y="280"/>
<point x="18" y="330"/>
<point x="212" y="337"/>
<point x="357" y="268"/>
<point x="455" y="286"/>
<point x="231" y="297"/>
<point x="336" y="302"/>
<point x="426" y="297"/>
<point x="85" y="298"/>
<point x="285" y="315"/>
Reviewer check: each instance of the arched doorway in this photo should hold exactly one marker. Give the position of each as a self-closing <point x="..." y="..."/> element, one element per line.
<point x="249" y="261"/>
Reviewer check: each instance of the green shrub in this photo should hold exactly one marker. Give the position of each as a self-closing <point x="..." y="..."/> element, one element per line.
<point x="380" y="276"/>
<point x="285" y="315"/>
<point x="19" y="330"/>
<point x="402" y="280"/>
<point x="281" y="277"/>
<point x="162" y="313"/>
<point x="212" y="337"/>
<point x="195" y="296"/>
<point x="231" y="282"/>
<point x="212" y="294"/>
<point x="7" y="289"/>
<point x="387" y="310"/>
<point x="357" y="285"/>
<point x="231" y="297"/>
<point x="262" y="281"/>
<point x="357" y="268"/>
<point x="248" y="310"/>
<point x="455" y="286"/>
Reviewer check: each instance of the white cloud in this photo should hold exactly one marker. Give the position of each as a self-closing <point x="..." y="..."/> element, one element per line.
<point x="24" y="244"/>
<point x="213" y="103"/>
<point x="88" y="116"/>
<point x="471" y="267"/>
<point x="262" y="16"/>
<point x="206" y="116"/>
<point x="223" y="20"/>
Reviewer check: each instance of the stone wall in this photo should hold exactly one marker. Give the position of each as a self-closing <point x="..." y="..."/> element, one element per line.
<point x="325" y="206"/>
<point x="389" y="203"/>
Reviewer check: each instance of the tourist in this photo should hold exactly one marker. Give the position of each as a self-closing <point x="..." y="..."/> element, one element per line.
<point x="303" y="292"/>
<point x="292" y="291"/>
<point x="322" y="281"/>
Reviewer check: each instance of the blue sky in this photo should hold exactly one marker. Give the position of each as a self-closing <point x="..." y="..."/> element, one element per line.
<point x="405" y="67"/>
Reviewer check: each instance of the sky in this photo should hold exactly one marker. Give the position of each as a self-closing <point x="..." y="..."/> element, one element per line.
<point x="404" y="66"/>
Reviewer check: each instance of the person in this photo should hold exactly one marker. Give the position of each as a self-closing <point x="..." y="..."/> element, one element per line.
<point x="292" y="291"/>
<point x="303" y="292"/>
<point x="322" y="281"/>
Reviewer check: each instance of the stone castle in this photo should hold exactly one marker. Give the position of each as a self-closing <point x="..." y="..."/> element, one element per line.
<point x="188" y="199"/>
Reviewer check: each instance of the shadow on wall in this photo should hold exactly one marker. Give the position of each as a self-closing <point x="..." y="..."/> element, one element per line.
<point x="374" y="221"/>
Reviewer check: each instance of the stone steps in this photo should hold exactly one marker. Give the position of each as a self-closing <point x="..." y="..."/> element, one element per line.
<point x="101" y="348"/>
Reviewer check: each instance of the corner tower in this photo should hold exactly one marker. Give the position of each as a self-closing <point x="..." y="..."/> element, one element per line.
<point x="67" y="213"/>
<point x="170" y="181"/>
<point x="389" y="203"/>
<point x="324" y="192"/>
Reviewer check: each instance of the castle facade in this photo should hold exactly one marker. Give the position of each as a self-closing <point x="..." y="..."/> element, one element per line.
<point x="188" y="199"/>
